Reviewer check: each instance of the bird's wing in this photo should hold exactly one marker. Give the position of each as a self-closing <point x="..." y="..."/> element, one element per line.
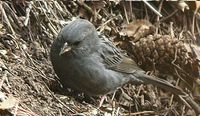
<point x="115" y="59"/>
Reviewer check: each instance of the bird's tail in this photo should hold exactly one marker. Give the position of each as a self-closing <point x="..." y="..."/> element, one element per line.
<point x="146" y="79"/>
<point x="161" y="83"/>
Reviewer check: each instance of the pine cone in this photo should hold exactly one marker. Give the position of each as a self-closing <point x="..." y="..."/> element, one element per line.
<point x="158" y="52"/>
<point x="160" y="49"/>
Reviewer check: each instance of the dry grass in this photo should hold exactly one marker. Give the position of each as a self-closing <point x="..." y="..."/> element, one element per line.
<point x="29" y="85"/>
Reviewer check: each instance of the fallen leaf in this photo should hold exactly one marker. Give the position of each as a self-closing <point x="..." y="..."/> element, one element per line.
<point x="8" y="103"/>
<point x="137" y="29"/>
<point x="182" y="5"/>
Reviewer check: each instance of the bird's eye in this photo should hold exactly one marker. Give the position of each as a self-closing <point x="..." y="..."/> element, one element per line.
<point x="77" y="43"/>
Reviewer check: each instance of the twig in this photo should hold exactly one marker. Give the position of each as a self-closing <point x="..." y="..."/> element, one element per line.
<point x="189" y="101"/>
<point x="3" y="78"/>
<point x="177" y="67"/>
<point x="16" y="108"/>
<point x="193" y="20"/>
<point x="125" y="12"/>
<point x="101" y="27"/>
<point x="6" y="18"/>
<point x="139" y="113"/>
<point x="158" y="17"/>
<point x="169" y="16"/>
<point x="117" y="111"/>
<point x="171" y="30"/>
<point x="85" y="6"/>
<point x="28" y="111"/>
<point x="52" y="29"/>
<point x="28" y="10"/>
<point x="12" y="16"/>
<point x="50" y="25"/>
<point x="130" y="9"/>
<point x="62" y="8"/>
<point x="198" y="26"/>
<point x="152" y="8"/>
<point x="177" y="82"/>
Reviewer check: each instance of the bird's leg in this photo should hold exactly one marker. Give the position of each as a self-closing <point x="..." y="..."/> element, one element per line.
<point x="102" y="100"/>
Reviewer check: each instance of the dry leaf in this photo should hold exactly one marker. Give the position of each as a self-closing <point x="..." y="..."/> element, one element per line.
<point x="97" y="4"/>
<point x="3" y="52"/>
<point x="193" y="49"/>
<point x="182" y="5"/>
<point x="2" y="95"/>
<point x="196" y="50"/>
<point x="196" y="88"/>
<point x="197" y="5"/>
<point x="9" y="103"/>
<point x="137" y="29"/>
<point x="194" y="5"/>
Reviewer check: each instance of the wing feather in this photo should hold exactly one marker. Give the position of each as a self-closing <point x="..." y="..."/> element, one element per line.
<point x="115" y="59"/>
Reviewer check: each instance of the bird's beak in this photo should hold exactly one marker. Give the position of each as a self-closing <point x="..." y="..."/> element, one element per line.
<point x="66" y="48"/>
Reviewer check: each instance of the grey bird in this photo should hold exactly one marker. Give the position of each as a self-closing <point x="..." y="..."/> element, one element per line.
<point x="86" y="62"/>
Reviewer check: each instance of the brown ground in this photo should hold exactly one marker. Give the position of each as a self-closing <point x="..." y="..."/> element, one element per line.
<point x="28" y="83"/>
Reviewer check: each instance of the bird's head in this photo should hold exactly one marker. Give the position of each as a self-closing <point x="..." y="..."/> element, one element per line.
<point x="79" y="36"/>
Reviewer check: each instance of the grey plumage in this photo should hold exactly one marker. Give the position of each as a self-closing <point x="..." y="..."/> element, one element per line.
<point x="93" y="64"/>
